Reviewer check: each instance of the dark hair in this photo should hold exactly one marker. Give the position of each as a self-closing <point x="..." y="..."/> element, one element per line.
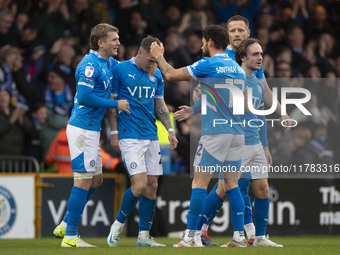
<point x="37" y="106"/>
<point x="282" y="63"/>
<point x="99" y="32"/>
<point x="197" y="33"/>
<point x="242" y="49"/>
<point x="59" y="72"/>
<point x="238" y="18"/>
<point x="147" y="41"/>
<point x="217" y="34"/>
<point x="30" y="26"/>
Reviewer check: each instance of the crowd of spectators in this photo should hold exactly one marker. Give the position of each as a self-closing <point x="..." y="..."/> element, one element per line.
<point x="42" y="41"/>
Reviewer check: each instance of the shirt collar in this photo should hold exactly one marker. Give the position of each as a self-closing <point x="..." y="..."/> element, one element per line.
<point x="95" y="53"/>
<point x="222" y="54"/>
<point x="133" y="60"/>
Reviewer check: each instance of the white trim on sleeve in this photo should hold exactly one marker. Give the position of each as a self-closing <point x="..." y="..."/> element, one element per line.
<point x="86" y="84"/>
<point x="191" y="73"/>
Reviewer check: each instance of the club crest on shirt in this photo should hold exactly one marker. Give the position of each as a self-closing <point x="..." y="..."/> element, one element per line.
<point x="259" y="89"/>
<point x="152" y="78"/>
<point x="89" y="70"/>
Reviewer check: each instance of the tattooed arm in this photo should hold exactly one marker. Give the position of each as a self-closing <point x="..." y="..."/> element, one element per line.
<point x="162" y="113"/>
<point x="167" y="70"/>
<point x="172" y="74"/>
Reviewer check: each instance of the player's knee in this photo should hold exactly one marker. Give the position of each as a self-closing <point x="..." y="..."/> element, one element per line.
<point x="230" y="183"/>
<point x="97" y="181"/>
<point x="262" y="192"/>
<point x="153" y="186"/>
<point x="265" y="192"/>
<point x="220" y="187"/>
<point x="139" y="188"/>
<point x="200" y="183"/>
<point x="220" y="192"/>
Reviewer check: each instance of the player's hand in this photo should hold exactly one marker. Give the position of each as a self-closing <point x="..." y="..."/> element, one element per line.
<point x="287" y="122"/>
<point x="184" y="113"/>
<point x="156" y="50"/>
<point x="115" y="142"/>
<point x="173" y="140"/>
<point x="123" y="105"/>
<point x="268" y="155"/>
<point x="196" y="94"/>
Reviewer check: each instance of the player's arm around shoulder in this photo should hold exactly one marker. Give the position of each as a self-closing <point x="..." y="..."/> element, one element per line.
<point x="123" y="104"/>
<point x="162" y="113"/>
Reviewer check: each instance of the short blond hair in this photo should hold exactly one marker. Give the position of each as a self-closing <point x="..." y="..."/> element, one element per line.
<point x="99" y="32"/>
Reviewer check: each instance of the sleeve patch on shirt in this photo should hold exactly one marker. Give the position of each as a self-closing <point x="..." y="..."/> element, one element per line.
<point x="89" y="70"/>
<point x="87" y="79"/>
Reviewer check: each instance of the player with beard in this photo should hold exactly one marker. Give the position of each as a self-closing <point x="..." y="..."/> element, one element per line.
<point x="220" y="146"/>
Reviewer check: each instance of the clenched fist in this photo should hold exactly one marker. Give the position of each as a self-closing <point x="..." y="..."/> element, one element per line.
<point x="123" y="105"/>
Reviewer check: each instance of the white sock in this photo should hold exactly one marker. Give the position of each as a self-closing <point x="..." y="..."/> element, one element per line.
<point x="250" y="230"/>
<point x="63" y="224"/>
<point x="189" y="234"/>
<point x="258" y="237"/>
<point x="238" y="236"/>
<point x="118" y="224"/>
<point x="143" y="234"/>
<point x="204" y="228"/>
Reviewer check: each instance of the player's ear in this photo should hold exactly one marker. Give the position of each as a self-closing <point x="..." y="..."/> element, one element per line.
<point x="100" y="43"/>
<point x="211" y="43"/>
<point x="248" y="32"/>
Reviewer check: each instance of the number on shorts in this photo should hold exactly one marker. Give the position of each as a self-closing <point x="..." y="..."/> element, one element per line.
<point x="200" y="146"/>
<point x="160" y="158"/>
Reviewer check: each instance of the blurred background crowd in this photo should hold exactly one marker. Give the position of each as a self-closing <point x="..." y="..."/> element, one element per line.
<point x="42" y="41"/>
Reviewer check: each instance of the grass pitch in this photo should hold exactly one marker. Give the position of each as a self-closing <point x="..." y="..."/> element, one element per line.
<point x="308" y="245"/>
